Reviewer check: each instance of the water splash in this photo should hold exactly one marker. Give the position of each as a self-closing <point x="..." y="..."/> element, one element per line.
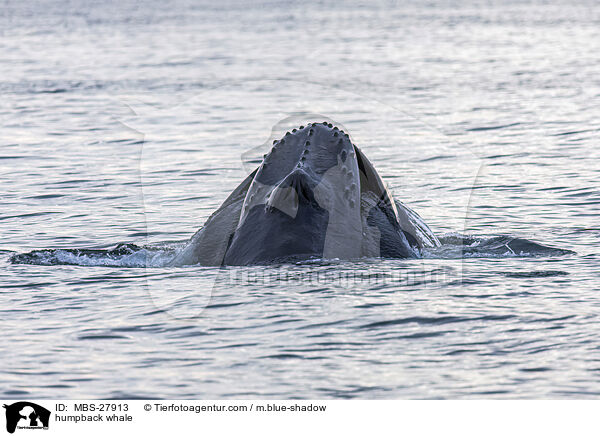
<point x="456" y="246"/>
<point x="123" y="255"/>
<point x="452" y="246"/>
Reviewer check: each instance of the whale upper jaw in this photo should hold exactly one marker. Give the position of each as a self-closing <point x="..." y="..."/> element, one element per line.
<point x="315" y="195"/>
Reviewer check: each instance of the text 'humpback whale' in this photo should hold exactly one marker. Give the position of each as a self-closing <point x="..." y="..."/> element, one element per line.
<point x="315" y="196"/>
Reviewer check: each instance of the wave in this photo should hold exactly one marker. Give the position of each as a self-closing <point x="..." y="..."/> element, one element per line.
<point x="452" y="246"/>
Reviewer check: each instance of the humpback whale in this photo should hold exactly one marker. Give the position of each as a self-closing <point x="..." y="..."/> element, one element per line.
<point x="314" y="196"/>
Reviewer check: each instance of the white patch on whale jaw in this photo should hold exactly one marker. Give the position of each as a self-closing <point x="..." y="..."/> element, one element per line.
<point x="285" y="200"/>
<point x="339" y="194"/>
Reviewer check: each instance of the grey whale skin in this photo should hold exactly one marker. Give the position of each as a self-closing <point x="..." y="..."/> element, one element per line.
<point x="314" y="196"/>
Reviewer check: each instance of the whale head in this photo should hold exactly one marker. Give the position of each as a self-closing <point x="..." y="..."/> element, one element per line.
<point x="310" y="199"/>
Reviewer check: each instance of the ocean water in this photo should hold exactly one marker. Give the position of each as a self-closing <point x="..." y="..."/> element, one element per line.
<point x="124" y="125"/>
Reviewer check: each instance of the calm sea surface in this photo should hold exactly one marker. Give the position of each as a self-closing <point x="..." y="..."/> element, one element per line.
<point x="129" y="123"/>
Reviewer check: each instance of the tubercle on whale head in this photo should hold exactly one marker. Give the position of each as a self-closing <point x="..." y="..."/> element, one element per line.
<point x="307" y="132"/>
<point x="313" y="148"/>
